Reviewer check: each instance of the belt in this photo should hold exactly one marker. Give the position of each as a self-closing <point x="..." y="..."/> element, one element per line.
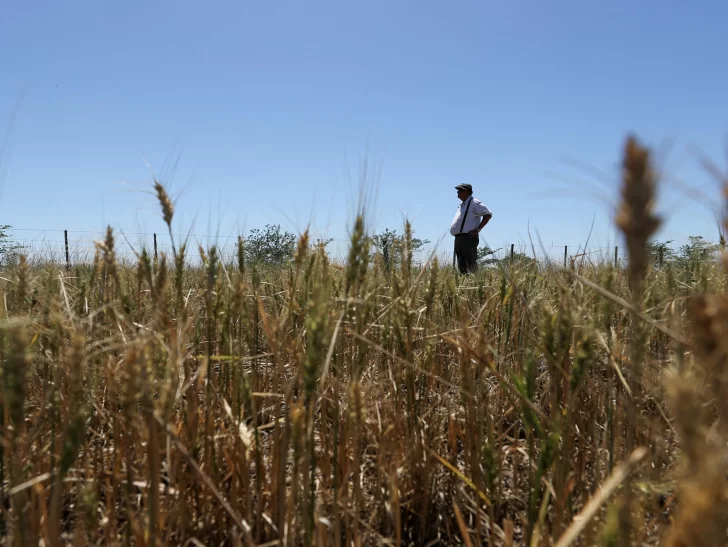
<point x="462" y="234"/>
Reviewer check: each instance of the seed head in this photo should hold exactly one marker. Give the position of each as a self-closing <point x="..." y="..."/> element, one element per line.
<point x="22" y="280"/>
<point x="301" y="249"/>
<point x="165" y="203"/>
<point x="241" y="255"/>
<point x="636" y="218"/>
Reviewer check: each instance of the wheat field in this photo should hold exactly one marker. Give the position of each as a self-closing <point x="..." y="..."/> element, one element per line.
<point x="218" y="402"/>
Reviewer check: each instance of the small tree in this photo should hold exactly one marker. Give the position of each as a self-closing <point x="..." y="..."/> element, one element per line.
<point x="486" y="256"/>
<point x="522" y="259"/>
<point x="698" y="250"/>
<point x="660" y="252"/>
<point x="390" y="243"/>
<point x="270" y="246"/>
<point x="8" y="249"/>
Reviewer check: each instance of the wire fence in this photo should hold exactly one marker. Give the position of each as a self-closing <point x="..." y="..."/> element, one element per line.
<point x="72" y="247"/>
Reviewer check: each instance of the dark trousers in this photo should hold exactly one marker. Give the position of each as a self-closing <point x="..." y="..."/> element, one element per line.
<point x="466" y="253"/>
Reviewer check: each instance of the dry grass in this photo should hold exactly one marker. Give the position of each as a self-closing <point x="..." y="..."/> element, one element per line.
<point x="231" y="404"/>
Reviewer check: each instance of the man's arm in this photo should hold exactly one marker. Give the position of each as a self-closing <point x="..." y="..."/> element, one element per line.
<point x="481" y="210"/>
<point x="486" y="219"/>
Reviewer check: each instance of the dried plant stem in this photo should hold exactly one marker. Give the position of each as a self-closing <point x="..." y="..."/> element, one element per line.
<point x="237" y="519"/>
<point x="618" y="476"/>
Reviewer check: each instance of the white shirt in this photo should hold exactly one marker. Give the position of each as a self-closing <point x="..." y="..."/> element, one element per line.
<point x="472" y="220"/>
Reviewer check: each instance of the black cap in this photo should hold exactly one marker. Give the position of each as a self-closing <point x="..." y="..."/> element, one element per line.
<point x="464" y="187"/>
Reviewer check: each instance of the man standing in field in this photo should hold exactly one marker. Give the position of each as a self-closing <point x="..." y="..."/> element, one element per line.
<point x="470" y="218"/>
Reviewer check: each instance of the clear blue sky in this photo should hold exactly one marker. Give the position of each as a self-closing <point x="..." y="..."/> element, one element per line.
<point x="262" y="112"/>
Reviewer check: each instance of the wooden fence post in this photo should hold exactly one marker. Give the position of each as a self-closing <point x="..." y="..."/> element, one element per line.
<point x="155" y="247"/>
<point x="68" y="258"/>
<point x="565" y="254"/>
<point x="616" y="256"/>
<point x="512" y="246"/>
